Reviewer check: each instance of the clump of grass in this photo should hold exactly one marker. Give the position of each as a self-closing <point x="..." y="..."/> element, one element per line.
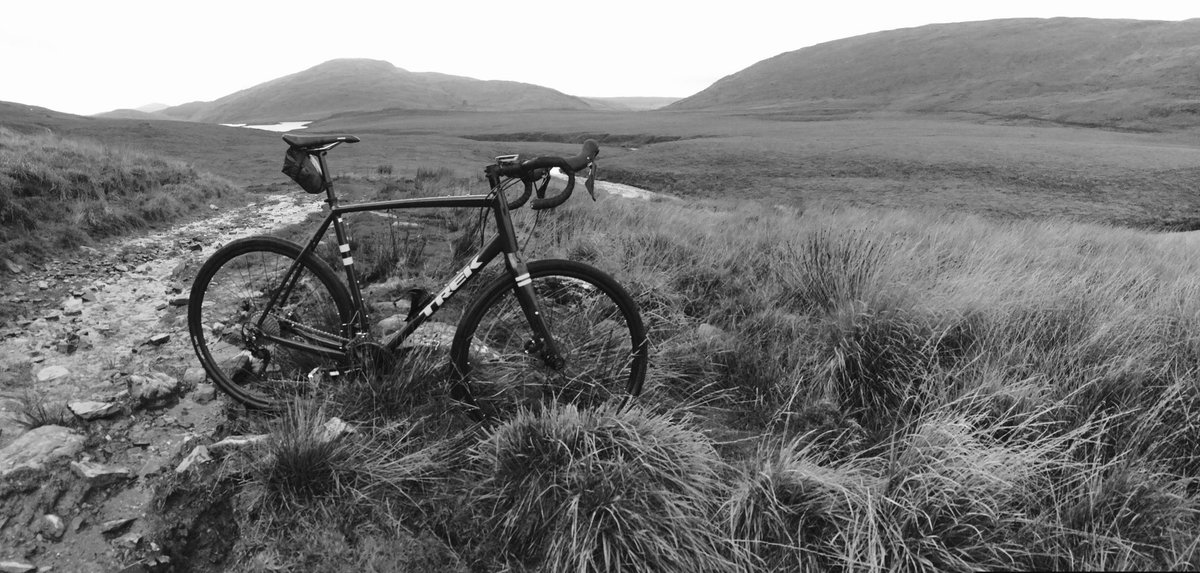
<point x="601" y="490"/>
<point x="831" y="268"/>
<point x="305" y="462"/>
<point x="791" y="513"/>
<point x="411" y="385"/>
<point x="33" y="413"/>
<point x="67" y="192"/>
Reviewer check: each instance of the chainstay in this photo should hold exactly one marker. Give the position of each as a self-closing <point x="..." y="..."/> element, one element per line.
<point x="308" y="331"/>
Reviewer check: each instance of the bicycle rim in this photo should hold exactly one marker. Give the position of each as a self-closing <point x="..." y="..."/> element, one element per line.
<point x="596" y="328"/>
<point x="231" y="325"/>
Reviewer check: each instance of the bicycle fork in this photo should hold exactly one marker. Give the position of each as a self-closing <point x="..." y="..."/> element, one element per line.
<point x="542" y="342"/>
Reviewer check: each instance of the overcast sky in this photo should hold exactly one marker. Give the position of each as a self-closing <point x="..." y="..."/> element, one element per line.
<point x="91" y="56"/>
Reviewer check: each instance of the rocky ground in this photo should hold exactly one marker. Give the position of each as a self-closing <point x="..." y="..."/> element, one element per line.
<point x="99" y="355"/>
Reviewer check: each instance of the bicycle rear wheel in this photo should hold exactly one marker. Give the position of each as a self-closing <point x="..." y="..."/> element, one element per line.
<point x="228" y="300"/>
<point x="595" y="325"/>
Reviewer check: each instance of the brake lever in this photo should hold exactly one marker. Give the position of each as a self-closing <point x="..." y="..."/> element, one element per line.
<point x="541" y="190"/>
<point x="591" y="180"/>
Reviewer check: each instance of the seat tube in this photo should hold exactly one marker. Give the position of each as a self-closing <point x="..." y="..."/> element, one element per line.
<point x="341" y="231"/>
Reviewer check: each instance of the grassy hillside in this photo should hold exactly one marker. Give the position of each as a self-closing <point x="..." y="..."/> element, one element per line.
<point x="58" y="193"/>
<point x="1122" y="73"/>
<point x="862" y="389"/>
<point x="340" y="86"/>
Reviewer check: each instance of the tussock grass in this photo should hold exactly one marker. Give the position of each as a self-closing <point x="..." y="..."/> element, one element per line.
<point x="59" y="193"/>
<point x="32" y="412"/>
<point x="829" y="390"/>
<point x="601" y="490"/>
<point x="306" y="460"/>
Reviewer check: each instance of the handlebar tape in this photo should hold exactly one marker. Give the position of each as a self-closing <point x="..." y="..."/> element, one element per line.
<point x="524" y="169"/>
<point x="590" y="150"/>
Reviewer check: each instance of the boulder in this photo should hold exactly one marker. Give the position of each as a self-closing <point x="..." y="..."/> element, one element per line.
<point x="92" y="410"/>
<point x="199" y="455"/>
<point x="13" y="566"/>
<point x="51" y="373"/>
<point x="153" y="388"/>
<point x="237" y="443"/>
<point x="52" y="527"/>
<point x="99" y="475"/>
<point x="39" y="446"/>
<point x="194" y="375"/>
<point x="204" y="393"/>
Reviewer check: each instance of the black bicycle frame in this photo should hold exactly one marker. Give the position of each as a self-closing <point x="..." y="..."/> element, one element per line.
<point x="504" y="242"/>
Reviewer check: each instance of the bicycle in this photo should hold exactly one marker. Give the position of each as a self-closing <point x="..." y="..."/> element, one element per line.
<point x="271" y="322"/>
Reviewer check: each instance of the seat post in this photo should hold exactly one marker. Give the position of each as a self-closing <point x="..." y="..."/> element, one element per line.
<point x="330" y="198"/>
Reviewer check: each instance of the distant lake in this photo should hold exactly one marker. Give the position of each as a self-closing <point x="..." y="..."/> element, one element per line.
<point x="281" y="126"/>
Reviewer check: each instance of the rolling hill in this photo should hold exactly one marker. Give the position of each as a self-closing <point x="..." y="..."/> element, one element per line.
<point x="360" y="85"/>
<point x="1112" y="73"/>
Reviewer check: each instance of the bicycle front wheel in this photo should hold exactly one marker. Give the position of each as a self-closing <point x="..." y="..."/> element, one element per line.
<point x="595" y="326"/>
<point x="262" y="356"/>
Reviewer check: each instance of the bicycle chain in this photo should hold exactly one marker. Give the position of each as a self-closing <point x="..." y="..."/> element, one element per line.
<point x="305" y="329"/>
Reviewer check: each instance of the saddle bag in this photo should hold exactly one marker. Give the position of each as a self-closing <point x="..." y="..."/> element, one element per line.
<point x="304" y="168"/>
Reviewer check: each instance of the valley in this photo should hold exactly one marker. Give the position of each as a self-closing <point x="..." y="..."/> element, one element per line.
<point x="917" y="300"/>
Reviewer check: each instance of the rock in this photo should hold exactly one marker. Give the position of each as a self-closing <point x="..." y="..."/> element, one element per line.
<point x="43" y="285"/>
<point x="390" y="324"/>
<point x="112" y="527"/>
<point x="52" y="527"/>
<point x="334" y="429"/>
<point x="99" y="475"/>
<point x="237" y="443"/>
<point x="51" y="373"/>
<point x="713" y="336"/>
<point x="178" y="301"/>
<point x="88" y="296"/>
<point x="159" y="339"/>
<point x="17" y="567"/>
<point x="92" y="410"/>
<point x="11" y="267"/>
<point x="194" y="376"/>
<point x="128" y="541"/>
<point x="39" y="446"/>
<point x="204" y="393"/>
<point x="76" y="523"/>
<point x="199" y="455"/>
<point x="155" y="387"/>
<point x="72" y="306"/>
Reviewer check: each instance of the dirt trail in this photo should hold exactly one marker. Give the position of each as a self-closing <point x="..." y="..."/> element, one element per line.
<point x="105" y="333"/>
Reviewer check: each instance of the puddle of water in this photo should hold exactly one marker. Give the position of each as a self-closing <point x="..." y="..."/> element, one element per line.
<point x="278" y="127"/>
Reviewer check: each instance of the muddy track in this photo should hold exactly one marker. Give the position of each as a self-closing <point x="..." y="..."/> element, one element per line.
<point x="101" y="343"/>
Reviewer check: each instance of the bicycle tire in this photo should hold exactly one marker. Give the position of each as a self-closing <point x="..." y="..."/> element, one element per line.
<point x="594" y="322"/>
<point x="226" y="299"/>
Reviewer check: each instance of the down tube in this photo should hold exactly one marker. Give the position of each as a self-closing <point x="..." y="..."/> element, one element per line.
<point x="464" y="276"/>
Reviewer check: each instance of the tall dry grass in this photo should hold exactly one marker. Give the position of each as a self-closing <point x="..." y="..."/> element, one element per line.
<point x="908" y="391"/>
<point x="58" y="192"/>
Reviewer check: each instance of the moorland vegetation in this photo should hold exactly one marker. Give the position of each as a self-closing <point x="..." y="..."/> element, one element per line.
<point x="849" y="389"/>
<point x="883" y="339"/>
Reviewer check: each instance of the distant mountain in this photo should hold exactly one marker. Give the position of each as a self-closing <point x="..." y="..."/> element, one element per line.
<point x="1126" y="73"/>
<point x="359" y="85"/>
<point x="630" y="103"/>
<point x="131" y="114"/>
